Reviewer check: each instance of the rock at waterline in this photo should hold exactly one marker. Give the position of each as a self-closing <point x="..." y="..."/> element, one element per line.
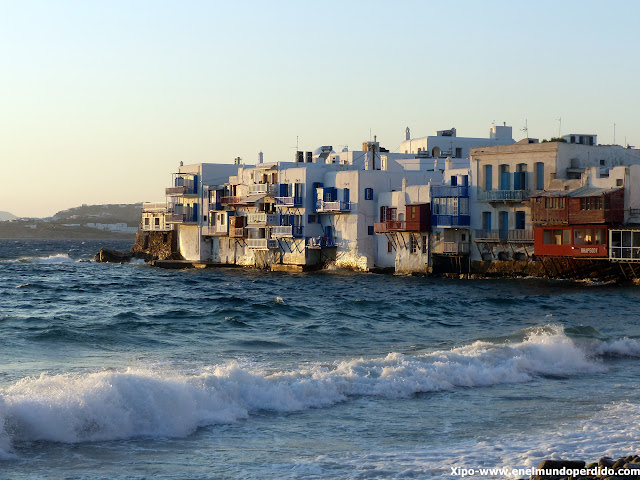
<point x="111" y="256"/>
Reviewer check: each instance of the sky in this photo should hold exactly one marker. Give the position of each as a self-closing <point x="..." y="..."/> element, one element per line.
<point x="101" y="100"/>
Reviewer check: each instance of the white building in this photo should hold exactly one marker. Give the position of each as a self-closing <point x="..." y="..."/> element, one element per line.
<point x="446" y="143"/>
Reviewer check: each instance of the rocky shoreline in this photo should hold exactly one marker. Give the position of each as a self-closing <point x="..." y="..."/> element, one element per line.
<point x="604" y="469"/>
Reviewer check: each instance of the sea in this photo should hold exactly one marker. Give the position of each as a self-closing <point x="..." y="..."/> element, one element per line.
<point x="127" y="371"/>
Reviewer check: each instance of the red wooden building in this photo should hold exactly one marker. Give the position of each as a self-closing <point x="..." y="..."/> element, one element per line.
<point x="415" y="218"/>
<point x="575" y="223"/>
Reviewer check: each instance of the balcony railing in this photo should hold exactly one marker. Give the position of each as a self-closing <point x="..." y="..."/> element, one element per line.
<point x="180" y="218"/>
<point x="396" y="226"/>
<point x="317" y="242"/>
<point x="450" y="220"/>
<point x="262" y="243"/>
<point x="232" y="200"/>
<point x="288" y="201"/>
<point x="263" y="219"/>
<point x="239" y="232"/>
<point x="266" y="188"/>
<point x="149" y="207"/>
<point x="503" y="196"/>
<point x="180" y="191"/>
<point x="632" y="211"/>
<point x="524" y="235"/>
<point x="455" y="248"/>
<point x="215" y="230"/>
<point x="332" y="207"/>
<point x="485" y="235"/>
<point x="286" y="231"/>
<point x="449" y="191"/>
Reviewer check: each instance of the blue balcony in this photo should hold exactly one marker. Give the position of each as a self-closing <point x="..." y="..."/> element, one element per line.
<point x="288" y="201"/>
<point x="450" y="220"/>
<point x="449" y="191"/>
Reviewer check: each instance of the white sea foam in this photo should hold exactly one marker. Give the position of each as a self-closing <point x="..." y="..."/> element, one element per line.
<point x="158" y="403"/>
<point x="57" y="258"/>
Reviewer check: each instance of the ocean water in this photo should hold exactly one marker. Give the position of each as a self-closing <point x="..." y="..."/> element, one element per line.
<point x="112" y="371"/>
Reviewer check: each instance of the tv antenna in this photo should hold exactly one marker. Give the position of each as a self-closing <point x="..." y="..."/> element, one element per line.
<point x="559" y="127"/>
<point x="526" y="128"/>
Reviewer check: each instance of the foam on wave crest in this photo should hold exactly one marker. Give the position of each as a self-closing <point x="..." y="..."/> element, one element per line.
<point x="110" y="405"/>
<point x="57" y="258"/>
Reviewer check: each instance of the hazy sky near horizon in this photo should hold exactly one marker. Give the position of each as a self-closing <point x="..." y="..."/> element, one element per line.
<point x="100" y="101"/>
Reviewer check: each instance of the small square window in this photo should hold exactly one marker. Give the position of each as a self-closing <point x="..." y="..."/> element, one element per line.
<point x="370" y="229"/>
<point x="368" y="193"/>
<point x="619" y="182"/>
<point x="601" y="162"/>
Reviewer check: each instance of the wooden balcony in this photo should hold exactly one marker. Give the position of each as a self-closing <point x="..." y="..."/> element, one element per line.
<point x="397" y="226"/>
<point x="238" y="232"/>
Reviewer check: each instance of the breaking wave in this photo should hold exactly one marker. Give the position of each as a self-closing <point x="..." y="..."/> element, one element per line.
<point x="57" y="258"/>
<point x="109" y="405"/>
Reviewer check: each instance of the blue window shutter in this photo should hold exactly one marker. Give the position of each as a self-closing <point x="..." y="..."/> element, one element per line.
<point x="283" y="189"/>
<point x="370" y="228"/>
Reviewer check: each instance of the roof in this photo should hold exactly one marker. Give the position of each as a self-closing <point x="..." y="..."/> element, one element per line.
<point x="585" y="191"/>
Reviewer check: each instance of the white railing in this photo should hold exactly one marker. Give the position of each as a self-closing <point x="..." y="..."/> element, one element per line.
<point x="286" y="231"/>
<point x="336" y="206"/>
<point x="154" y="207"/>
<point x="266" y="188"/>
<point x="215" y="229"/>
<point x="262" y="243"/>
<point x="263" y="218"/>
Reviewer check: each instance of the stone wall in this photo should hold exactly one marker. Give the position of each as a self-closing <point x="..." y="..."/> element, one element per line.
<point x="153" y="245"/>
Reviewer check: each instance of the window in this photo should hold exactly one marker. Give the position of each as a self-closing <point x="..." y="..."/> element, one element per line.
<point x="619" y="182"/>
<point x="389" y="247"/>
<point x="607" y="203"/>
<point x="413" y="244"/>
<point x="539" y="176"/>
<point x="458" y="153"/>
<point x="601" y="162"/>
<point x="146" y="221"/>
<point x="311" y="219"/>
<point x="454" y="181"/>
<point x="157" y="221"/>
<point x="463" y="237"/>
<point x="370" y="229"/>
<point x="424" y="244"/>
<point x="368" y="193"/>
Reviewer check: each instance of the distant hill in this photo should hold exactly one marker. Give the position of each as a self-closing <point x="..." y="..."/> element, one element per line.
<point x="4" y="216"/>
<point x="75" y="223"/>
<point x="110" y="213"/>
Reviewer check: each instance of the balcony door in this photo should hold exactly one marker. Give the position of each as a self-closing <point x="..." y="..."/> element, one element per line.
<point x="504" y="225"/>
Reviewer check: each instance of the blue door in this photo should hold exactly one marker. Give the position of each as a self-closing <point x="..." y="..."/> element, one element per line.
<point x="504" y="225"/>
<point x="346" y="196"/>
<point x="486" y="220"/>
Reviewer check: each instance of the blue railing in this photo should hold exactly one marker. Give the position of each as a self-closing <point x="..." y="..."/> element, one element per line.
<point x="450" y="220"/>
<point x="449" y="191"/>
